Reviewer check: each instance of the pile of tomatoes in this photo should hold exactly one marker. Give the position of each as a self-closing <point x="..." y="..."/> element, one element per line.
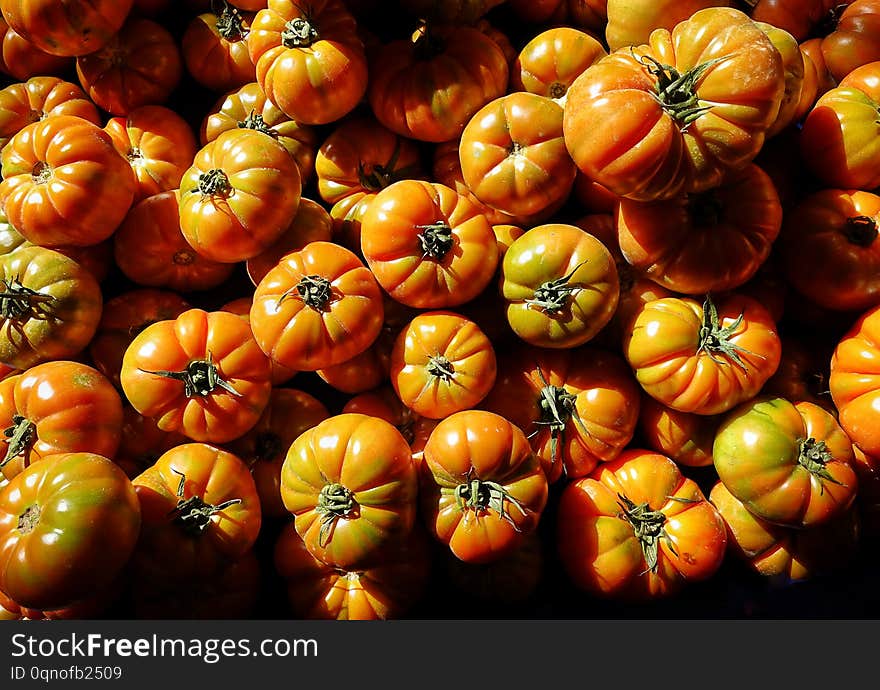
<point x="376" y="309"/>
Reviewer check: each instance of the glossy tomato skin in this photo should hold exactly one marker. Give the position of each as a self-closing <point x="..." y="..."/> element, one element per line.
<point x="176" y="545"/>
<point x="317" y="307"/>
<point x="442" y="363"/>
<point x="579" y="276"/>
<point x="238" y="195"/>
<point x="214" y="48"/>
<point x="789" y="463"/>
<point x="202" y="409"/>
<point x="684" y="437"/>
<point x="67" y="528"/>
<point x="351" y="486"/>
<point x="855" y="381"/>
<point x="67" y="292"/>
<point x="82" y="188"/>
<point x="598" y="525"/>
<point x="21" y="59"/>
<point x="663" y="346"/>
<point x="57" y="407"/>
<point x="428" y="246"/>
<point x="482" y="489"/>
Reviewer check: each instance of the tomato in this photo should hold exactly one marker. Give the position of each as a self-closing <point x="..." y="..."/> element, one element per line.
<point x="200" y="510"/>
<point x="311" y="223"/>
<point x="64" y="183"/>
<point x="513" y="155"/>
<point x="638" y="529"/>
<point x="366" y="371"/>
<point x="382" y="591"/>
<point x="684" y="437"/>
<point x="786" y="554"/>
<point x="854" y="382"/>
<point x="428" y="246"/>
<point x="710" y="241"/>
<point x="630" y="22"/>
<point x="77" y="27"/>
<point x="201" y="374"/>
<point x="21" y="59"/>
<point x="317" y="307"/>
<point x="158" y="143"/>
<point x="701" y="357"/>
<point x="429" y="86"/>
<point x="789" y="463"/>
<point x="799" y="17"/>
<point x="289" y="413"/>
<point x="140" y="65"/>
<point x="51" y="307"/>
<point x="249" y="108"/>
<point x="242" y="307"/>
<point x="652" y="120"/>
<point x="309" y="59"/>
<point x="351" y="486"/>
<point x="591" y="15"/>
<point x="214" y="48"/>
<point x="68" y="526"/>
<point x="482" y="488"/>
<point x="853" y="41"/>
<point x="802" y="374"/>
<point x="57" y="407"/>
<point x="238" y="196"/>
<point x="142" y="442"/>
<point x="794" y="66"/>
<point x="123" y="317"/>
<point x="840" y="137"/>
<point x="551" y="60"/>
<point x="442" y="363"/>
<point x="383" y="402"/>
<point x="578" y="406"/>
<point x="151" y="251"/>
<point x="560" y="286"/>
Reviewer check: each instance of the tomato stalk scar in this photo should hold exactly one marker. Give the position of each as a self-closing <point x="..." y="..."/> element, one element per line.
<point x="199" y="378"/>
<point x="479" y="495"/>
<point x="193" y="513"/>
<point x="334" y="501"/>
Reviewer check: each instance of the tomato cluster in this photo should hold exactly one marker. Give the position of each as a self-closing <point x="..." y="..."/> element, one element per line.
<point x="362" y="309"/>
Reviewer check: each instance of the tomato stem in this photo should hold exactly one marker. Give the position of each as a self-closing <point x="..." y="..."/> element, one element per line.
<point x="435" y="240"/>
<point x="375" y="178"/>
<point x="193" y="514"/>
<point x="715" y="339"/>
<point x="200" y="377"/>
<point x="480" y="495"/>
<point x="299" y="33"/>
<point x="813" y="456"/>
<point x="230" y="23"/>
<point x="314" y="290"/>
<point x="214" y="181"/>
<point x="676" y="92"/>
<point x="29" y="519"/>
<point x="41" y="172"/>
<point x="558" y="406"/>
<point x="255" y="121"/>
<point x="334" y="501"/>
<point x="17" y="301"/>
<point x="440" y="367"/>
<point x="21" y="437"/>
<point x="649" y="528"/>
<point x="860" y="230"/>
<point x="552" y="296"/>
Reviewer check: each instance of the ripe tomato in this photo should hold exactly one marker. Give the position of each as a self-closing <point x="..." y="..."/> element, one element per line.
<point x="630" y="22"/>
<point x="428" y="246"/>
<point x="578" y="406"/>
<point x="798" y="17"/>
<point x="366" y="371"/>
<point x="794" y="66"/>
<point x="142" y="442"/>
<point x="559" y="284"/>
<point x="214" y="48"/>
<point x="482" y="487"/>
<point x="200" y="510"/>
<point x="309" y="58"/>
<point x="317" y="307"/>
<point x="51" y="307"/>
<point x="698" y="357"/>
<point x="57" y="407"/>
<point x="351" y="486"/>
<point x="789" y="463"/>
<point x="242" y="306"/>
<point x="383" y="402"/>
<point x="652" y="120"/>
<point x="201" y="374"/>
<point x="21" y="59"/>
<point x="684" y="437"/>
<point x="151" y="251"/>
<point x="853" y="40"/>
<point x="64" y="183"/>
<point x="442" y="363"/>
<point x="68" y="527"/>
<point x="238" y="196"/>
<point x="638" y="529"/>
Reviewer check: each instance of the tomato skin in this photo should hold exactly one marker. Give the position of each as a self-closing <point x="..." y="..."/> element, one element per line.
<point x="663" y="346"/>
<point x="683" y="437"/>
<point x="21" y="59"/>
<point x="368" y="462"/>
<point x="84" y="187"/>
<point x="69" y="407"/>
<point x="547" y="254"/>
<point x="483" y="447"/>
<point x="88" y="506"/>
<point x="797" y="17"/>
<point x="853" y="42"/>
<point x="306" y="333"/>
<point x="593" y="391"/>
<point x="75" y="305"/>
<point x="171" y="345"/>
<point x="322" y="79"/>
<point x="630" y="22"/>
<point x="620" y="135"/>
<point x="854" y="382"/>
<point x="67" y="28"/>
<point x="171" y="550"/>
<point x="238" y="196"/>
<point x="442" y="363"/>
<point x="789" y="463"/>
<point x="428" y="246"/>
<point x="599" y="547"/>
<point x="214" y="48"/>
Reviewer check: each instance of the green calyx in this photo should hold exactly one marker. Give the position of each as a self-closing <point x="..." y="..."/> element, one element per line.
<point x="715" y="339"/>
<point x="677" y="92"/>
<point x="193" y="514"/>
<point x="334" y="501"/>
